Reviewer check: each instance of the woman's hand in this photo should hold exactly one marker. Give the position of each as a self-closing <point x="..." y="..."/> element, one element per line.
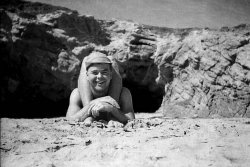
<point x="97" y="107"/>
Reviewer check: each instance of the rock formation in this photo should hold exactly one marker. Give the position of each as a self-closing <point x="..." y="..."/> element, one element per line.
<point x="206" y="73"/>
<point x="199" y="72"/>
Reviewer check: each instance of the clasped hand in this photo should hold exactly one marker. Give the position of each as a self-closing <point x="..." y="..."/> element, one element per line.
<point x="97" y="107"/>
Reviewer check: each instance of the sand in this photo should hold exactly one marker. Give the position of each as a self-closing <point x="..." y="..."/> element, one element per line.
<point x="150" y="140"/>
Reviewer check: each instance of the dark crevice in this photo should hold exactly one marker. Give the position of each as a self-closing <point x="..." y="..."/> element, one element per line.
<point x="245" y="67"/>
<point x="243" y="43"/>
<point x="135" y="43"/>
<point x="143" y="99"/>
<point x="197" y="64"/>
<point x="233" y="59"/>
<point x="185" y="64"/>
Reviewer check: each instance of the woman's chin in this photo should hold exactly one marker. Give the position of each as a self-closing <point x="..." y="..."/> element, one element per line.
<point x="100" y="89"/>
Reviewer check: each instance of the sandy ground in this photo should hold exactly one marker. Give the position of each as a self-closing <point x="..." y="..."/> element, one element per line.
<point x="150" y="140"/>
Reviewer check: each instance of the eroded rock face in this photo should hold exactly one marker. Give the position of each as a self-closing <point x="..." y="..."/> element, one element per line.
<point x="200" y="72"/>
<point x="42" y="47"/>
<point x="206" y="73"/>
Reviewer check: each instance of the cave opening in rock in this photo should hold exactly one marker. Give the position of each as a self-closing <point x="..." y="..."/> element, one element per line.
<point x="144" y="100"/>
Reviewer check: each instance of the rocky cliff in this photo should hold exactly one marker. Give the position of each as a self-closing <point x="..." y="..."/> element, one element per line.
<point x="198" y="72"/>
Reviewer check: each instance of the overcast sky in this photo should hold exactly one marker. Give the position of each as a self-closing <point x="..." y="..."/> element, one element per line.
<point x="165" y="13"/>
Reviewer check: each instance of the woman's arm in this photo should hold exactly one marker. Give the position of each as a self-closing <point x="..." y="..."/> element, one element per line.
<point x="127" y="109"/>
<point x="83" y="86"/>
<point x="101" y="106"/>
<point x="115" y="86"/>
<point x="122" y="115"/>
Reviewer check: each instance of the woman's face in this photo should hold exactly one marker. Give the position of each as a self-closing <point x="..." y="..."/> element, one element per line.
<point x="99" y="76"/>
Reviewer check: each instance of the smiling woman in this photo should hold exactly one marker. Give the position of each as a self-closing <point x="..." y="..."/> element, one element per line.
<point x="165" y="13"/>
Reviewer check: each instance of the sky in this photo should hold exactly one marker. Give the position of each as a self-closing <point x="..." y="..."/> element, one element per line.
<point x="164" y="13"/>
